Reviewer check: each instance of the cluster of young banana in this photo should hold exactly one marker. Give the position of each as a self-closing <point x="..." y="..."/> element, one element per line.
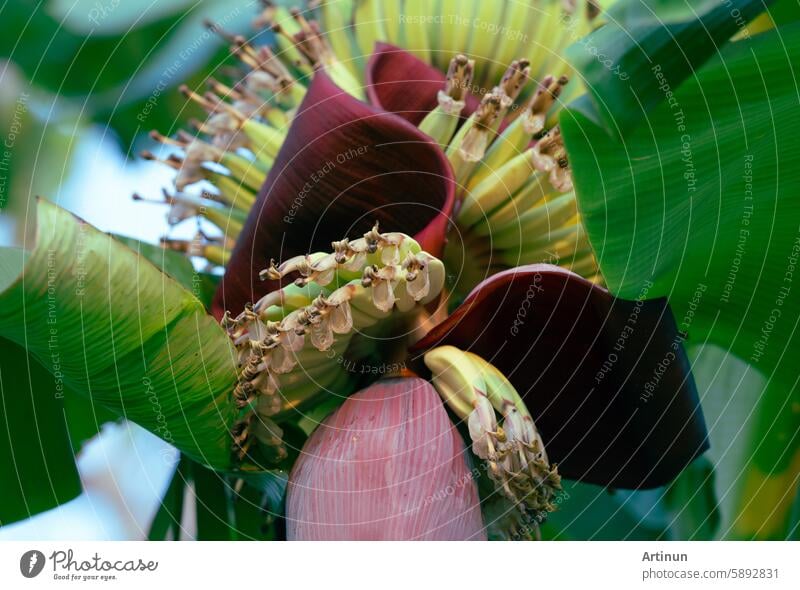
<point x="517" y="205"/>
<point x="469" y="148"/>
<point x="290" y="344"/>
<point x="515" y="456"/>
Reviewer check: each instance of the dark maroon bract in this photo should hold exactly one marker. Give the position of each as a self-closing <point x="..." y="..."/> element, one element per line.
<point x="344" y="166"/>
<point x="401" y="83"/>
<point x="606" y="380"/>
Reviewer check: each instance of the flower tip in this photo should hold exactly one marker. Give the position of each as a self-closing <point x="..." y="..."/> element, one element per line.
<point x="271" y="273"/>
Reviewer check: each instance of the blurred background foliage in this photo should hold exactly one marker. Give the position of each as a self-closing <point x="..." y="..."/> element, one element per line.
<point x="82" y="82"/>
<point x="111" y="58"/>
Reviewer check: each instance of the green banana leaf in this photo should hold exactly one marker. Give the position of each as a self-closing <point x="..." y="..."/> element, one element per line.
<point x="168" y="516"/>
<point x="692" y="503"/>
<point x="84" y="418"/>
<point x="213" y="505"/>
<point x="591" y="512"/>
<point x="36" y="458"/>
<point x="260" y="505"/>
<point x="122" y="332"/>
<point x="794" y="524"/>
<point x="227" y="507"/>
<point x="231" y="508"/>
<point x="178" y="266"/>
<point x="686" y="509"/>
<point x="619" y="62"/>
<point x="785" y="11"/>
<point x="699" y="205"/>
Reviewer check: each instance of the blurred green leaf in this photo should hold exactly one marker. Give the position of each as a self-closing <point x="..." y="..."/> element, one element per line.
<point x="260" y="505"/>
<point x="120" y="61"/>
<point x="168" y="516"/>
<point x="315" y="415"/>
<point x="622" y="62"/>
<point x="593" y="513"/>
<point x="112" y="17"/>
<point x="253" y="522"/>
<point x="794" y="521"/>
<point x="272" y="484"/>
<point x="785" y="11"/>
<point x="664" y="11"/>
<point x="69" y="64"/>
<point x="84" y="418"/>
<point x="213" y="505"/>
<point x="36" y="460"/>
<point x="692" y="502"/>
<point x="35" y="155"/>
<point x="207" y="287"/>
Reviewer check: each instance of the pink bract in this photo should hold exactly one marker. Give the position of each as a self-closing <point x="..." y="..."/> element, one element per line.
<point x="388" y="465"/>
